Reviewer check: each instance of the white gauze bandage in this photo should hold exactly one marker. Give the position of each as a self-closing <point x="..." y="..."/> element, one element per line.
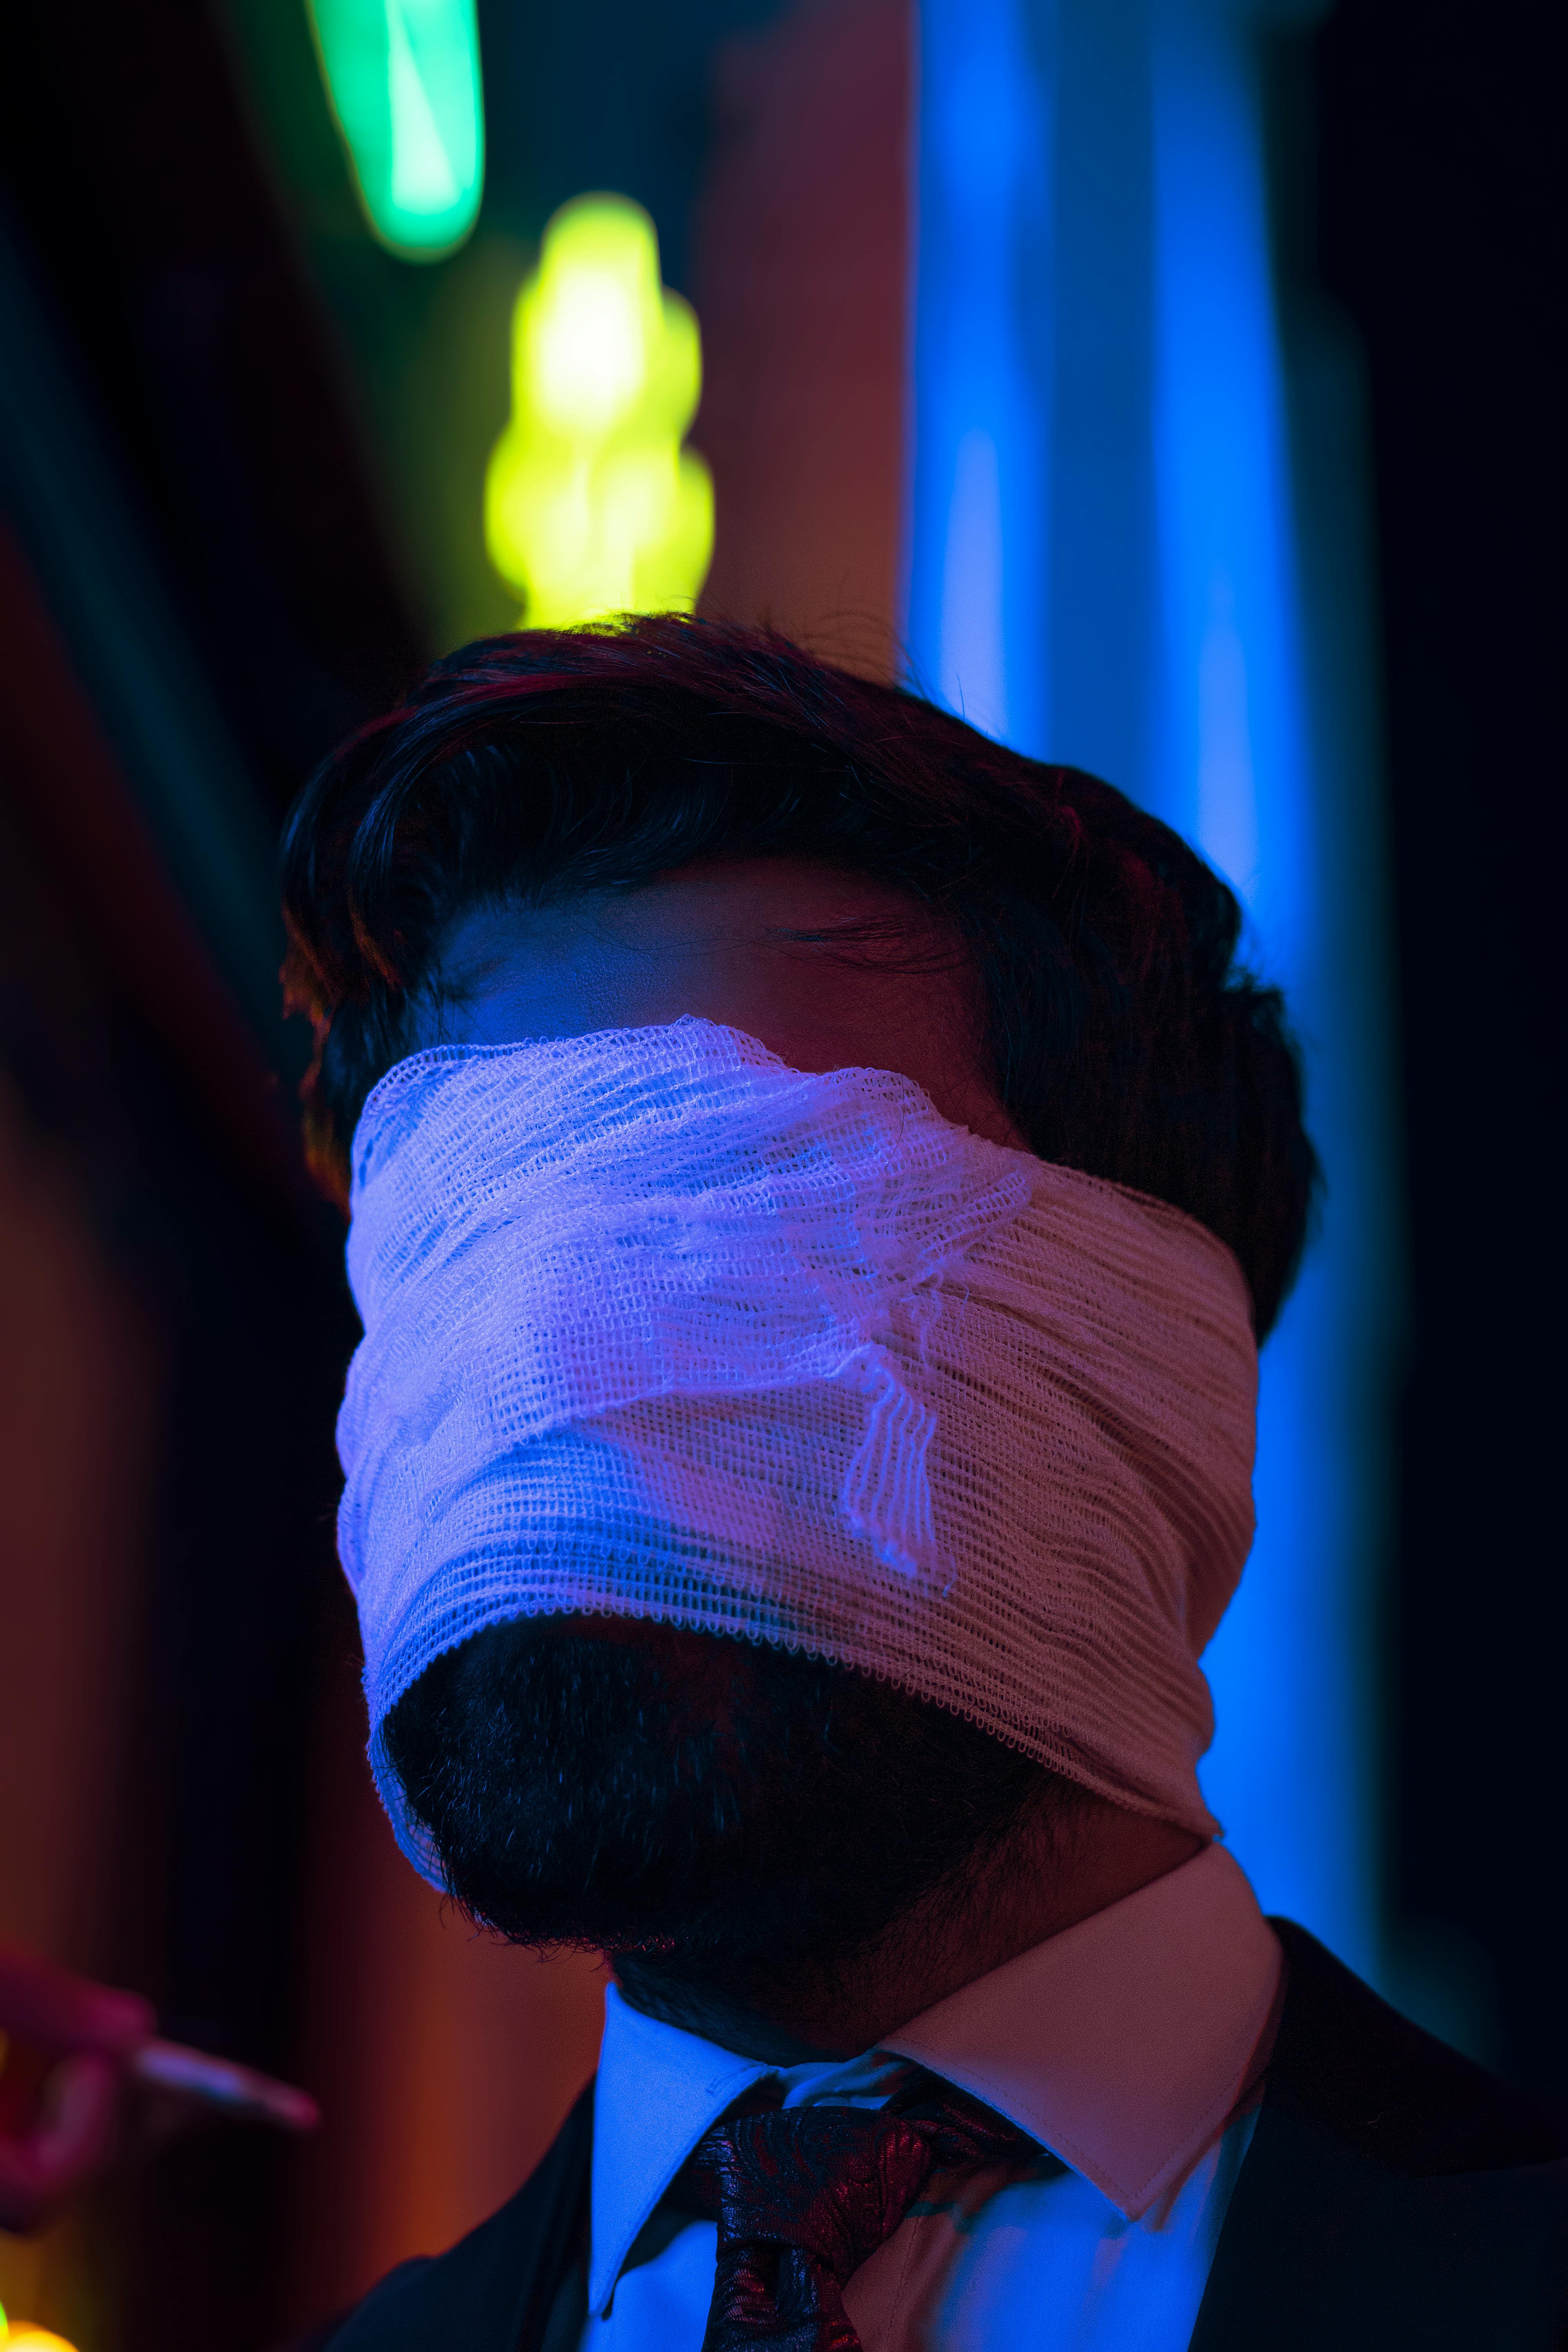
<point x="657" y="1326"/>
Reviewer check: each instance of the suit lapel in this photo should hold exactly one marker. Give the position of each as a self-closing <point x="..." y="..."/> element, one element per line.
<point x="496" y="2291"/>
<point x="1393" y="2193"/>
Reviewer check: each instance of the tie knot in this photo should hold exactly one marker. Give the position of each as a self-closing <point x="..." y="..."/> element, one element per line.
<point x="833" y="2181"/>
<point x="803" y="2195"/>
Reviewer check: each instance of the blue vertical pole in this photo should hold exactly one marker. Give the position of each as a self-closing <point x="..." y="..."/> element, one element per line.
<point x="1141" y="587"/>
<point x="982" y="374"/>
<point x="1247" y="769"/>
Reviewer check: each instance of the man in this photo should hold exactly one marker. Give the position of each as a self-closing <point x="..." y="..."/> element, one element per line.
<point x="817" y="1182"/>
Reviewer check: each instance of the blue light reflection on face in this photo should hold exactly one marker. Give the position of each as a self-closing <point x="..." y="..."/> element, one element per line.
<point x="1143" y="615"/>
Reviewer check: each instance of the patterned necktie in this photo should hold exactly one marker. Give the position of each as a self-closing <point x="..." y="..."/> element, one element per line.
<point x="803" y="2195"/>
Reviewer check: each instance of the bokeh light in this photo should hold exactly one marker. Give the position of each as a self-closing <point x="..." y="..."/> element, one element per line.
<point x="18" y="2336"/>
<point x="404" y="79"/>
<point x="592" y="506"/>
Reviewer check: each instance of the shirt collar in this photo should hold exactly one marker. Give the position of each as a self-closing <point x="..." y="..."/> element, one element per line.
<point x="656" y="2091"/>
<point x="1121" y="2045"/>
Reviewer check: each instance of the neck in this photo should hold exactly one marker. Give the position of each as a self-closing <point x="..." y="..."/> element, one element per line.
<point x="1046" y="1874"/>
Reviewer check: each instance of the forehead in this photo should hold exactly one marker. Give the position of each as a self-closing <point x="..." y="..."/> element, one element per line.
<point x="828" y="969"/>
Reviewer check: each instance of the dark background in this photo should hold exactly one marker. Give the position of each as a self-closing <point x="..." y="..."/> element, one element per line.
<point x="1442" y="221"/>
<point x="194" y="478"/>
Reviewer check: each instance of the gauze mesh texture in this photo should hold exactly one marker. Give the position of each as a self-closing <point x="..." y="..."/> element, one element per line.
<point x="657" y="1326"/>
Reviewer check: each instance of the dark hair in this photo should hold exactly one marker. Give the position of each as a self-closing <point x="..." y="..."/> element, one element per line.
<point x="1125" y="1041"/>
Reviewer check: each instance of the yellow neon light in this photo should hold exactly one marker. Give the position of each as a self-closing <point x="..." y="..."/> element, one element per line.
<point x="592" y="506"/>
<point x="404" y="79"/>
<point x="21" y="2337"/>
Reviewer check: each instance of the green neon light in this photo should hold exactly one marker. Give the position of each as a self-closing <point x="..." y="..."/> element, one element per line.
<point x="403" y="77"/>
<point x="592" y="506"/>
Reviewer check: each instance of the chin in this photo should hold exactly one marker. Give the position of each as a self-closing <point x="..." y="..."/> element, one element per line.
<point x="692" y="1806"/>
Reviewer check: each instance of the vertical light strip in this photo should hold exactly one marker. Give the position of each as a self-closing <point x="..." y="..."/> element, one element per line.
<point x="1242" y="772"/>
<point x="982" y="325"/>
<point x="1127" y="586"/>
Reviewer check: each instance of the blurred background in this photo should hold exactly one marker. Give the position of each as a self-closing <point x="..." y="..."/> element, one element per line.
<point x="1171" y="385"/>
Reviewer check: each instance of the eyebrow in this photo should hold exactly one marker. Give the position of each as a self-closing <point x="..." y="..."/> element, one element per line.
<point x="925" y="944"/>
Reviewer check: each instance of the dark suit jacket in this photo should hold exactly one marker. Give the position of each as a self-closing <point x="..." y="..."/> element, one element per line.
<point x="1395" y="2195"/>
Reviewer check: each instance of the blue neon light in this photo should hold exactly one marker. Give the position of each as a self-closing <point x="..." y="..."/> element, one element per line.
<point x="1119" y="585"/>
<point x="982" y="374"/>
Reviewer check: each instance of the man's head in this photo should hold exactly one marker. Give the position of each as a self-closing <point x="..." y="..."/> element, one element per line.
<point x="565" y="833"/>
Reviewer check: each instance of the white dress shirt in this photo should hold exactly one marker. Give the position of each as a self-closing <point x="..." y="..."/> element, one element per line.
<point x="1131" y="2046"/>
